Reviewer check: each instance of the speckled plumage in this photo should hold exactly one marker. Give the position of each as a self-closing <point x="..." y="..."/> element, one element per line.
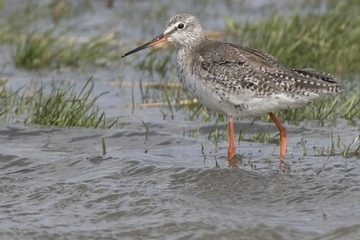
<point x="238" y="81"/>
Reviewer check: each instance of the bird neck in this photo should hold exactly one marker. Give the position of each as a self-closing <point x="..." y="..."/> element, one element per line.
<point x="192" y="42"/>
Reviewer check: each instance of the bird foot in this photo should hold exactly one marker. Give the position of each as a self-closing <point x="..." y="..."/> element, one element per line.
<point x="233" y="160"/>
<point x="284" y="165"/>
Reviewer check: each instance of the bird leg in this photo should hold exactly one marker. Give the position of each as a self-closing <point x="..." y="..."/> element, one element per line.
<point x="283" y="136"/>
<point x="232" y="143"/>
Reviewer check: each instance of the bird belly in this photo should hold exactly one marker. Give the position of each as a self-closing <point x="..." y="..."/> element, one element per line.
<point x="204" y="94"/>
<point x="253" y="105"/>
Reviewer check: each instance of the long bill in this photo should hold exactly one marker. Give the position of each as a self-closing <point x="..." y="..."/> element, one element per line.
<point x="161" y="38"/>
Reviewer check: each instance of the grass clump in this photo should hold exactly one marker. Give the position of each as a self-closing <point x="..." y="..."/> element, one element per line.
<point x="326" y="41"/>
<point x="14" y="103"/>
<point x="34" y="51"/>
<point x="67" y="108"/>
<point x="49" y="45"/>
<point x="62" y="107"/>
<point x="41" y="50"/>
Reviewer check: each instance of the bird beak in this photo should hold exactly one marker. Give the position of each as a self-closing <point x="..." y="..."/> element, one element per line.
<point x="161" y="38"/>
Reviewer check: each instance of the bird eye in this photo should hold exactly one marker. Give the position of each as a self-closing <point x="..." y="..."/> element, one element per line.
<point x="181" y="26"/>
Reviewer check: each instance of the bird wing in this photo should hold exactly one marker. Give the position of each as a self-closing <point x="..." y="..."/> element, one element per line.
<point x="238" y="68"/>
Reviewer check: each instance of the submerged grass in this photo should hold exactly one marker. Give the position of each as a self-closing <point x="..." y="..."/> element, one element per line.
<point x="339" y="149"/>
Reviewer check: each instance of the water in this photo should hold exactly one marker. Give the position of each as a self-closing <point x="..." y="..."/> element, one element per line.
<point x="55" y="183"/>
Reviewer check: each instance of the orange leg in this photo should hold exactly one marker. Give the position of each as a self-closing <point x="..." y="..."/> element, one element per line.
<point x="283" y="136"/>
<point x="232" y="143"/>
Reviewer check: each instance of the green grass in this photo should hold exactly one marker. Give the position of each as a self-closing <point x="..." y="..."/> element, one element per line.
<point x="13" y="104"/>
<point x="61" y="107"/>
<point x="328" y="41"/>
<point x="37" y="49"/>
<point x="156" y="64"/>
<point x="54" y="48"/>
<point x="33" y="52"/>
<point x="65" y="107"/>
<point x="103" y="146"/>
<point x="43" y="50"/>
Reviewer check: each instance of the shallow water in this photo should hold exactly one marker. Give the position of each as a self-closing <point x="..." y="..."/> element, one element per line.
<point x="55" y="183"/>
